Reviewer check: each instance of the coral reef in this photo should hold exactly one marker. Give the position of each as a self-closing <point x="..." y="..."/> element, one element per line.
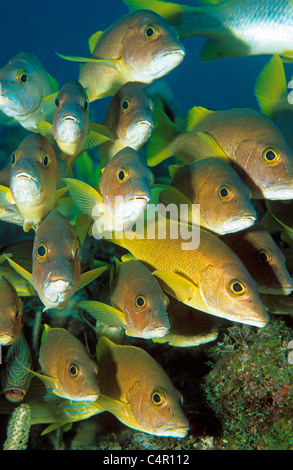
<point x="18" y="428"/>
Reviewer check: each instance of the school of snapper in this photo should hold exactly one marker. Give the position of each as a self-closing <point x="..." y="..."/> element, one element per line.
<point x="236" y="164"/>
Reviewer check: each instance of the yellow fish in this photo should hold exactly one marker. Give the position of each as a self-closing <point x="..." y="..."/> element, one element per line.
<point x="138" y="303"/>
<point x="55" y="263"/>
<point x="188" y="327"/>
<point x="273" y="95"/>
<point x="10" y="313"/>
<point x="70" y="127"/>
<point x="25" y="90"/>
<point x="136" y="389"/>
<point x="207" y="275"/>
<point x="67" y="369"/>
<point x="250" y="141"/>
<point x="236" y="28"/>
<point x="129" y="119"/>
<point x="15" y="379"/>
<point x="122" y="195"/>
<point x="33" y="181"/>
<point x="263" y="259"/>
<point x="224" y="199"/>
<point x="139" y="47"/>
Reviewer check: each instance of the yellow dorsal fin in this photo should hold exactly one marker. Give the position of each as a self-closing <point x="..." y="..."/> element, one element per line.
<point x="93" y="40"/>
<point x="271" y="84"/>
<point x="194" y="116"/>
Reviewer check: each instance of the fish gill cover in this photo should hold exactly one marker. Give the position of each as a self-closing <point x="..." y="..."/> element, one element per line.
<point x="209" y="331"/>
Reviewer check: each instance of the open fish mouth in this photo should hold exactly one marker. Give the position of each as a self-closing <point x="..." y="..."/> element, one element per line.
<point x="14" y="394"/>
<point x="69" y="118"/>
<point x="175" y="431"/>
<point x="158" y="332"/>
<point x="25" y="175"/>
<point x="58" y="291"/>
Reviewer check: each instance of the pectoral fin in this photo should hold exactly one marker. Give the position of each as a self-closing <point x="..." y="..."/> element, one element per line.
<point x="103" y="313"/>
<point x="45" y="128"/>
<point x="19" y="269"/>
<point x="211" y="148"/>
<point x="6" y="197"/>
<point x="90" y="276"/>
<point x="84" y="196"/>
<point x="109" y="62"/>
<point x="176" y="285"/>
<point x="94" y="139"/>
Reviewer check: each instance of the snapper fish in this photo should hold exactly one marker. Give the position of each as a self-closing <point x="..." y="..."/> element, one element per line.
<point x="138" y="303"/>
<point x="10" y="313"/>
<point x="139" y="47"/>
<point x="67" y="369"/>
<point x="263" y="259"/>
<point x="236" y="28"/>
<point x="15" y="380"/>
<point x="249" y="141"/>
<point x="56" y="263"/>
<point x="136" y="389"/>
<point x="33" y="181"/>
<point x="272" y="94"/>
<point x="71" y="127"/>
<point x="210" y="278"/>
<point x="224" y="199"/>
<point x="26" y="90"/>
<point x="129" y="119"/>
<point x="122" y="196"/>
<point x="188" y="327"/>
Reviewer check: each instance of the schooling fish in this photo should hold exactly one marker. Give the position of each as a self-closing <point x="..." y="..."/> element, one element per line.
<point x="235" y="27"/>
<point x="197" y="268"/>
<point x="56" y="263"/>
<point x="250" y="141"/>
<point x="136" y="389"/>
<point x="67" y="368"/>
<point x="33" y="180"/>
<point x="139" y="47"/>
<point x="15" y="379"/>
<point x="70" y="127"/>
<point x="188" y="327"/>
<point x="122" y="195"/>
<point x="10" y="313"/>
<point x="138" y="303"/>
<point x="224" y="199"/>
<point x="271" y="91"/>
<point x="263" y="259"/>
<point x="25" y="90"/>
<point x="129" y="119"/>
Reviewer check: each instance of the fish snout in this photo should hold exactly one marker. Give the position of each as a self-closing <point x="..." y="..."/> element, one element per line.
<point x="14" y="395"/>
<point x="6" y="338"/>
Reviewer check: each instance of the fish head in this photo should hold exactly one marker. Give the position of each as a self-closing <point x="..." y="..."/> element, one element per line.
<point x="10" y="313"/>
<point x="23" y="85"/>
<point x="155" y="405"/>
<point x="70" y="121"/>
<point x="56" y="260"/>
<point x="130" y="115"/>
<point x="238" y="299"/>
<point x="263" y="259"/>
<point x="142" y="300"/>
<point x="125" y="185"/>
<point x="150" y="46"/>
<point x="33" y="177"/>
<point x="266" y="162"/>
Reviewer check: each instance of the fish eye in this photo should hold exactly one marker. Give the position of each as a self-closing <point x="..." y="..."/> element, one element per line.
<point x="140" y="301"/>
<point x="125" y="104"/>
<point x="122" y="174"/>
<point x="85" y="104"/>
<point x="41" y="251"/>
<point x="45" y="160"/>
<point x="157" y="398"/>
<point x="74" y="250"/>
<point x="57" y="101"/>
<point x="73" y="370"/>
<point x="16" y="313"/>
<point x="264" y="256"/>
<point x="21" y="76"/>
<point x="224" y="192"/>
<point x="237" y="288"/>
<point x="151" y="31"/>
<point x="12" y="158"/>
<point x="270" y="155"/>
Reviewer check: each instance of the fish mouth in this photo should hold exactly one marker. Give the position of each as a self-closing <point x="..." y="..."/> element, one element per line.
<point x="143" y="197"/>
<point x="279" y="193"/>
<point x="14" y="394"/>
<point x="58" y="291"/>
<point x="175" y="431"/>
<point x="70" y="117"/>
<point x="6" y="339"/>
<point x="25" y="175"/>
<point x="158" y="332"/>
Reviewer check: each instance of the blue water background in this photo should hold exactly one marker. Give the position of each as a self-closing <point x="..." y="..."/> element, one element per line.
<point x="65" y="26"/>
